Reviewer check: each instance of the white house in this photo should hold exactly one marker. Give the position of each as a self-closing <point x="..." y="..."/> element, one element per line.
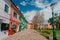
<point x="4" y="13"/>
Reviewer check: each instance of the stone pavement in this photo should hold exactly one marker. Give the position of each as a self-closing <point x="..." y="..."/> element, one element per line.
<point x="28" y="34"/>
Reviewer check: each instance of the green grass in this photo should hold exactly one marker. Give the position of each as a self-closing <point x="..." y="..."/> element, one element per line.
<point x="58" y="33"/>
<point x="47" y="32"/>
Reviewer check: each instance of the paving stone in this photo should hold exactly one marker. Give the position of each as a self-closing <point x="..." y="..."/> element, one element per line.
<point x="28" y="34"/>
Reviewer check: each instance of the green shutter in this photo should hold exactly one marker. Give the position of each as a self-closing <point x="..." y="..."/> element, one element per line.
<point x="6" y="8"/>
<point x="6" y="25"/>
<point x="22" y="23"/>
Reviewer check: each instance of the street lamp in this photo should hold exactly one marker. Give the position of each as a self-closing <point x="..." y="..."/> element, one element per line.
<point x="53" y="23"/>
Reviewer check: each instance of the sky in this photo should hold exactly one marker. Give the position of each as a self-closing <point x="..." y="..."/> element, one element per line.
<point x="30" y="7"/>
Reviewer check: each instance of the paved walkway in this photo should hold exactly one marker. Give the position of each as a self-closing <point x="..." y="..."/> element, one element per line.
<point x="3" y="35"/>
<point x="28" y="34"/>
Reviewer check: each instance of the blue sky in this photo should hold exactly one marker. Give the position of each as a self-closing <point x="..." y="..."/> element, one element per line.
<point x="29" y="7"/>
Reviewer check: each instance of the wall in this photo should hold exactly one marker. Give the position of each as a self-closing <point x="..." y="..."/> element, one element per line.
<point x="30" y="26"/>
<point x="13" y="20"/>
<point x="3" y="15"/>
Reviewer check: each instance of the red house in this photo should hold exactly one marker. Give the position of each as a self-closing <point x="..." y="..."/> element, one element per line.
<point x="14" y="19"/>
<point x="48" y="26"/>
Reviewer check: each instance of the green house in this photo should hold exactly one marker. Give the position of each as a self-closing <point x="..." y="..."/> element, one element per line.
<point x="23" y="23"/>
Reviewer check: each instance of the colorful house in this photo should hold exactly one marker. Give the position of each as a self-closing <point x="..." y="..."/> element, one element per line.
<point x="11" y="18"/>
<point x="17" y="20"/>
<point x="30" y="26"/>
<point x="23" y="23"/>
<point x="14" y="19"/>
<point x="48" y="26"/>
<point x="4" y="14"/>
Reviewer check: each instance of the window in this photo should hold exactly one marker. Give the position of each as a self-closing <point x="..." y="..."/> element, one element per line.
<point x="15" y="15"/>
<point x="19" y="17"/>
<point x="6" y="8"/>
<point x="4" y="26"/>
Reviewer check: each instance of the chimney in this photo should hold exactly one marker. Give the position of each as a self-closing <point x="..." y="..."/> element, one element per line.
<point x="18" y="7"/>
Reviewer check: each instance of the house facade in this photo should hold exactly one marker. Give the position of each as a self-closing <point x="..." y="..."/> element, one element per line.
<point x="48" y="26"/>
<point x="14" y="19"/>
<point x="17" y="20"/>
<point x="30" y="26"/>
<point x="11" y="18"/>
<point x="23" y="23"/>
<point x="4" y="14"/>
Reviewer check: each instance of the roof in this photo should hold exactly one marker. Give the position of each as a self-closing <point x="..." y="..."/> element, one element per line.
<point x="12" y="3"/>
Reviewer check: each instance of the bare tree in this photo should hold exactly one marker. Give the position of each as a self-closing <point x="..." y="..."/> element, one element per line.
<point x="38" y="18"/>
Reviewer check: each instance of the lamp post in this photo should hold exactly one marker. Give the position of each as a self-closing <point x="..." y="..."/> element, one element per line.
<point x="54" y="32"/>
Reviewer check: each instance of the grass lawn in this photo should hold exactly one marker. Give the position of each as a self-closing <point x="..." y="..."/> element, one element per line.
<point x="47" y="32"/>
<point x="58" y="32"/>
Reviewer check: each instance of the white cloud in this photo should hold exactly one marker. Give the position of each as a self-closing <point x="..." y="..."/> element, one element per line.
<point x="29" y="15"/>
<point x="32" y="2"/>
<point x="47" y="11"/>
<point x="39" y="3"/>
<point x="23" y="3"/>
<point x="55" y="0"/>
<point x="57" y="8"/>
